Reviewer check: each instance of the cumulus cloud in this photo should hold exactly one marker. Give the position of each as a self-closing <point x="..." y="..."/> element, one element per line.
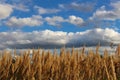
<point x="81" y="7"/>
<point x="104" y="14"/>
<point x="42" y="10"/>
<point x="75" y="20"/>
<point x="55" y="20"/>
<point x="58" y="20"/>
<point x="56" y="39"/>
<point x="5" y="11"/>
<point x="35" y="20"/>
<point x="44" y="39"/>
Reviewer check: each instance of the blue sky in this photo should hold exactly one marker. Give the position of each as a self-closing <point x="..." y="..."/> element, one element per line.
<point x="58" y="23"/>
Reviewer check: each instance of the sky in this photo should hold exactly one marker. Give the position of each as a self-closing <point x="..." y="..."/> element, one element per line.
<point x="57" y="23"/>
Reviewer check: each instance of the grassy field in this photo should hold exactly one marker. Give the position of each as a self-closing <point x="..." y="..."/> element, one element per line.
<point x="69" y="65"/>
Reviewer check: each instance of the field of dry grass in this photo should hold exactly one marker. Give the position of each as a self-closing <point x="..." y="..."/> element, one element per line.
<point x="69" y="65"/>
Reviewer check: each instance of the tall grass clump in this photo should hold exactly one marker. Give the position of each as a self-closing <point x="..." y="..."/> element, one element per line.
<point x="69" y="64"/>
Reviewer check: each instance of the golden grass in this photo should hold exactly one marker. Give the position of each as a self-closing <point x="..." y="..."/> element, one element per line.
<point x="69" y="65"/>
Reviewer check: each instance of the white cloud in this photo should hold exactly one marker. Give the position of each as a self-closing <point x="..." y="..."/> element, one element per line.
<point x="81" y="7"/>
<point x="52" y="39"/>
<point x="58" y="20"/>
<point x="55" y="20"/>
<point x="75" y="20"/>
<point x="42" y="10"/>
<point x="116" y="8"/>
<point x="20" y="7"/>
<point x="5" y="11"/>
<point x="35" y="20"/>
<point x="32" y="39"/>
<point x="104" y="14"/>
